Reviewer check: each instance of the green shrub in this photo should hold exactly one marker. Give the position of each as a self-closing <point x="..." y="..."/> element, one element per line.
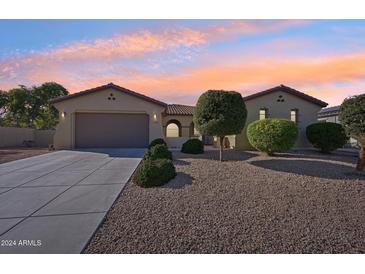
<point x="193" y="146"/>
<point x="152" y="173"/>
<point x="326" y="136"/>
<point x="159" y="151"/>
<point x="272" y="135"/>
<point x="158" y="141"/>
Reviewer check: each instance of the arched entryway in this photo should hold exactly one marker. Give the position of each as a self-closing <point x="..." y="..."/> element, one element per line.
<point x="173" y="128"/>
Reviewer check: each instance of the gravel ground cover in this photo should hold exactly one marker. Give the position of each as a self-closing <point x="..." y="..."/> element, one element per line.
<point x="12" y="154"/>
<point x="300" y="202"/>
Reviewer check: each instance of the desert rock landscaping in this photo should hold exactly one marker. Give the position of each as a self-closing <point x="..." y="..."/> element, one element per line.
<point x="12" y="154"/>
<point x="298" y="202"/>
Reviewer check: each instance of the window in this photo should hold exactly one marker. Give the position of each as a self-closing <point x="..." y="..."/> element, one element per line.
<point x="294" y="115"/>
<point x="263" y="114"/>
<point x="172" y="130"/>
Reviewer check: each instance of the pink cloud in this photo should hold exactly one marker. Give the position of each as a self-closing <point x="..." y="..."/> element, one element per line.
<point x="85" y="65"/>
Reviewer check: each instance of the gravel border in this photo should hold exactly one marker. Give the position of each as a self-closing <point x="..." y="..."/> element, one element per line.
<point x="300" y="202"/>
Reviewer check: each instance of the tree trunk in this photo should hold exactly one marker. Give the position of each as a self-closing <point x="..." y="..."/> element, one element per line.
<point x="361" y="161"/>
<point x="221" y="138"/>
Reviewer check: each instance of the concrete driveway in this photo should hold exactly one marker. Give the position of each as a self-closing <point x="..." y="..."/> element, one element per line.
<point x="53" y="203"/>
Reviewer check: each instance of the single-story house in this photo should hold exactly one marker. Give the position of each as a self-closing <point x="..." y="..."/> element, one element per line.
<point x="113" y="116"/>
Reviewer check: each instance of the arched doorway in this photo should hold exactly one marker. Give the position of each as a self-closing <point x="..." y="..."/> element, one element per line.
<point x="173" y="129"/>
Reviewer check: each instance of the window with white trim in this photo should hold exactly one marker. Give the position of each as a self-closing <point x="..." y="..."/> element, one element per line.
<point x="263" y="114"/>
<point x="294" y="115"/>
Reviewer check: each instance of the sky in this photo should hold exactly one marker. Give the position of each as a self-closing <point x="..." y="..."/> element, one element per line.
<point x="176" y="60"/>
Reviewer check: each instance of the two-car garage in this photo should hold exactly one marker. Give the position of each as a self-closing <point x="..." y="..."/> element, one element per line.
<point x="111" y="130"/>
<point x="107" y="116"/>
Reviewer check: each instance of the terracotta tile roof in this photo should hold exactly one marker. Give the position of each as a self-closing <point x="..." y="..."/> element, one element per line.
<point x="175" y="109"/>
<point x="329" y="111"/>
<point x="110" y="85"/>
<point x="288" y="90"/>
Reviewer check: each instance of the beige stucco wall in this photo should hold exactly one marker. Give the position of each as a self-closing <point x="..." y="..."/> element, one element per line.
<point x="307" y="114"/>
<point x="14" y="137"/>
<point x="185" y="121"/>
<point x="43" y="138"/>
<point x="98" y="102"/>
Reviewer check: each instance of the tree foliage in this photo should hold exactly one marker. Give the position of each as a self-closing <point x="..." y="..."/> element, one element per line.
<point x="220" y="113"/>
<point x="272" y="135"/>
<point x="352" y="117"/>
<point x="30" y="107"/>
<point x="326" y="136"/>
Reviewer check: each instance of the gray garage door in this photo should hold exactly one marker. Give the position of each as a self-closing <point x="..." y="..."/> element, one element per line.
<point x="111" y="130"/>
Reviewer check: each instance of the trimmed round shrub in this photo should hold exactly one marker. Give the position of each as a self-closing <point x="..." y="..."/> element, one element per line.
<point x="193" y="146"/>
<point x="152" y="173"/>
<point x="158" y="141"/>
<point x="159" y="151"/>
<point x="326" y="136"/>
<point x="272" y="135"/>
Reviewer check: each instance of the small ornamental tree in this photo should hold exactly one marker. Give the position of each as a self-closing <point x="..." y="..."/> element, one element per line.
<point x="220" y="113"/>
<point x="352" y="117"/>
<point x="326" y="136"/>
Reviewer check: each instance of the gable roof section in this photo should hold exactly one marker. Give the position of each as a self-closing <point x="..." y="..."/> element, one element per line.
<point x="175" y="109"/>
<point x="290" y="91"/>
<point x="110" y="85"/>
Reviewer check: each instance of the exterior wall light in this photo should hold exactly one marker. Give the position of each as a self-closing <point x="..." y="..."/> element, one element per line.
<point x="63" y="114"/>
<point x="155" y="117"/>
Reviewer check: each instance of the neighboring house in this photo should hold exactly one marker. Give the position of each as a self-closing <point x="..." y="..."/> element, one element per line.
<point x="112" y="116"/>
<point x="332" y="114"/>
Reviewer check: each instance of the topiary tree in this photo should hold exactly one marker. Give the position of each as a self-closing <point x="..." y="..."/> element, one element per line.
<point x="272" y="135"/>
<point x="352" y="117"/>
<point x="326" y="136"/>
<point x="193" y="146"/>
<point x="158" y="141"/>
<point x="220" y="113"/>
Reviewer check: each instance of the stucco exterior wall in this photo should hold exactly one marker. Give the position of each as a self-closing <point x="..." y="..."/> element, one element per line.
<point x="98" y="102"/>
<point x="44" y="138"/>
<point x="307" y="114"/>
<point x="14" y="137"/>
<point x="185" y="121"/>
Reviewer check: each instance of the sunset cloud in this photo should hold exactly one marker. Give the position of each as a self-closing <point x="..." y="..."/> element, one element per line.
<point x="177" y="63"/>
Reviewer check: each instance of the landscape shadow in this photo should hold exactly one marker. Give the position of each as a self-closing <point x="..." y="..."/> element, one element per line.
<point x="180" y="181"/>
<point x="228" y="155"/>
<point x="340" y="156"/>
<point x="312" y="168"/>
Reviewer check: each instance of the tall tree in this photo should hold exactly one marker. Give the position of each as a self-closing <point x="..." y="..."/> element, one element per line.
<point x="44" y="115"/>
<point x="352" y="117"/>
<point x="220" y="113"/>
<point x="29" y="107"/>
